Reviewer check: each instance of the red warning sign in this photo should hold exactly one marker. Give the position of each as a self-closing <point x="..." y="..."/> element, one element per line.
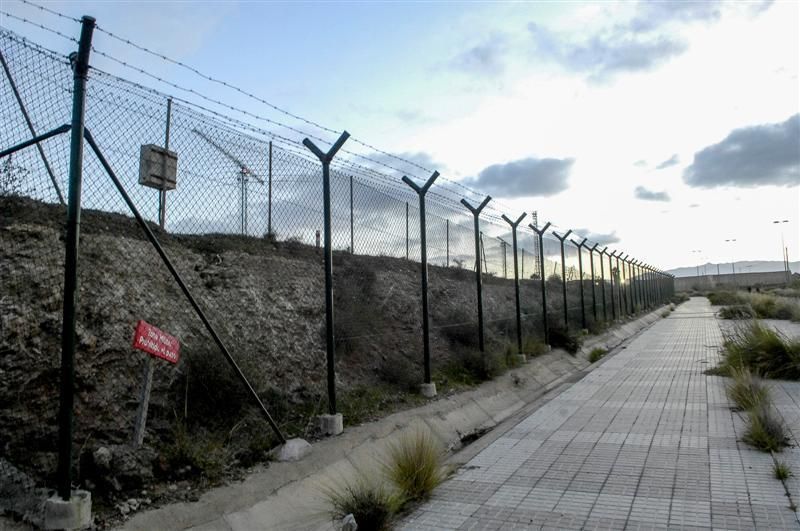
<point x="156" y="343"/>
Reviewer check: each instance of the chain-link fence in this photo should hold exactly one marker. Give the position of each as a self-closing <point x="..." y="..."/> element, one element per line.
<point x="243" y="230"/>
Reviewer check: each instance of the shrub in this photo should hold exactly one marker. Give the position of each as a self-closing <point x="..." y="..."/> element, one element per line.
<point x="363" y="403"/>
<point x="533" y="347"/>
<point x="679" y="298"/>
<point x="772" y="307"/>
<point x="598" y="327"/>
<point x="737" y="311"/>
<point x="561" y="338"/>
<point x="367" y="499"/>
<point x="197" y="453"/>
<point x="765" y="430"/>
<point x="725" y="298"/>
<point x="596" y="354"/>
<point x="458" y="327"/>
<point x="781" y="470"/>
<point x="666" y="313"/>
<point x="746" y="390"/>
<point x="415" y="464"/>
<point x="399" y="372"/>
<point x="471" y="366"/>
<point x="762" y="350"/>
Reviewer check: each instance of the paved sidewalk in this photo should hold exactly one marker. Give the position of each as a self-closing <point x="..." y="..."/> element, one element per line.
<point x="644" y="441"/>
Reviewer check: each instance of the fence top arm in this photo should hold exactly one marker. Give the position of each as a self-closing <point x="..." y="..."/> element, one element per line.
<point x="476" y="211"/>
<point x="326" y="157"/>
<point x="564" y="237"/>
<point x="514" y="223"/>
<point x="541" y="231"/>
<point x="579" y="245"/>
<point x="421" y="190"/>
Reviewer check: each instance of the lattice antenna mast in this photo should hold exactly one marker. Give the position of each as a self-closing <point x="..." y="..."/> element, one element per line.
<point x="535" y="224"/>
<point x="245" y="173"/>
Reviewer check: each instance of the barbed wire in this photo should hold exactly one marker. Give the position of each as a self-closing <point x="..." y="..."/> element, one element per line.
<point x="38" y="25"/>
<point x="248" y="94"/>
<point x="443" y="195"/>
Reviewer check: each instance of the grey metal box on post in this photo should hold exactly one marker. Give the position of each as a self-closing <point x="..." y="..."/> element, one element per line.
<point x="158" y="167"/>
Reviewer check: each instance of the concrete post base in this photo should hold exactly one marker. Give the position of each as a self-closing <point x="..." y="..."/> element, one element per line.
<point x="548" y="348"/>
<point x="73" y="514"/>
<point x="428" y="390"/>
<point x="521" y="359"/>
<point x="331" y="424"/>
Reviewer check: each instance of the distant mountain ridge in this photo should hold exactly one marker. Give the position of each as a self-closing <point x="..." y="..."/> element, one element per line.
<point x="747" y="266"/>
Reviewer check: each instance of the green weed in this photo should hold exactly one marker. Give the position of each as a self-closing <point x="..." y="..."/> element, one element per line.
<point x="765" y="430"/>
<point x="746" y="389"/>
<point x="781" y="470"/>
<point x="416" y="464"/>
<point x="367" y="498"/>
<point x="596" y="354"/>
<point x="725" y="298"/>
<point x="762" y="350"/>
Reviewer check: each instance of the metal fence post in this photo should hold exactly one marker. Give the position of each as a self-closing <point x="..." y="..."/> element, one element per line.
<point x="80" y="66"/>
<point x="624" y="284"/>
<point x="269" y="191"/>
<point x="580" y="278"/>
<point x="447" y="241"/>
<point x="406" y="230"/>
<point x="603" y="283"/>
<point x="611" y="287"/>
<point x="514" y="225"/>
<point x="162" y="193"/>
<point x="504" y="245"/>
<point x="594" y="291"/>
<point x="352" y="242"/>
<point x="522" y="263"/>
<point x="540" y="233"/>
<point x="476" y="213"/>
<point x="325" y="159"/>
<point x="618" y="280"/>
<point x="631" y="289"/>
<point x="564" y="276"/>
<point x="32" y="130"/>
<point x="426" y="344"/>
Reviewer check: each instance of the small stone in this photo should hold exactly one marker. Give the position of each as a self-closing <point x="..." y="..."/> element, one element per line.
<point x="102" y="458"/>
<point x="349" y="523"/>
<point x="292" y="450"/>
<point x="173" y="487"/>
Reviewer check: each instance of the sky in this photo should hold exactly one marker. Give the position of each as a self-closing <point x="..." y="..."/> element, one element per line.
<point x="673" y="126"/>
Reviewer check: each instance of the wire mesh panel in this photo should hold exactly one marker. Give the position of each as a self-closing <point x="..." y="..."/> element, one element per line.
<point x="32" y="218"/>
<point x="243" y="230"/>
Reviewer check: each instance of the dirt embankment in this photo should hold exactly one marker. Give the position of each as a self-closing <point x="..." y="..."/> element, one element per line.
<point x="265" y="299"/>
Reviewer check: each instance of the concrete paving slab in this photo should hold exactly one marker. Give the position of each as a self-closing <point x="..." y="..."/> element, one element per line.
<point x="646" y="440"/>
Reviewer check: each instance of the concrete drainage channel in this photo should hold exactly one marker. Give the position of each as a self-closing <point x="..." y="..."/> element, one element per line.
<point x="287" y="495"/>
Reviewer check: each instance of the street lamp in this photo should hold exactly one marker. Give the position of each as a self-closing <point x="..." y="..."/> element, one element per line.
<point x="733" y="268"/>
<point x="784" y="252"/>
<point x="698" y="265"/>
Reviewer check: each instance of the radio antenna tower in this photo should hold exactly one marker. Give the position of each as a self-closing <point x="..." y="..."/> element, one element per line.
<point x="536" y="257"/>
